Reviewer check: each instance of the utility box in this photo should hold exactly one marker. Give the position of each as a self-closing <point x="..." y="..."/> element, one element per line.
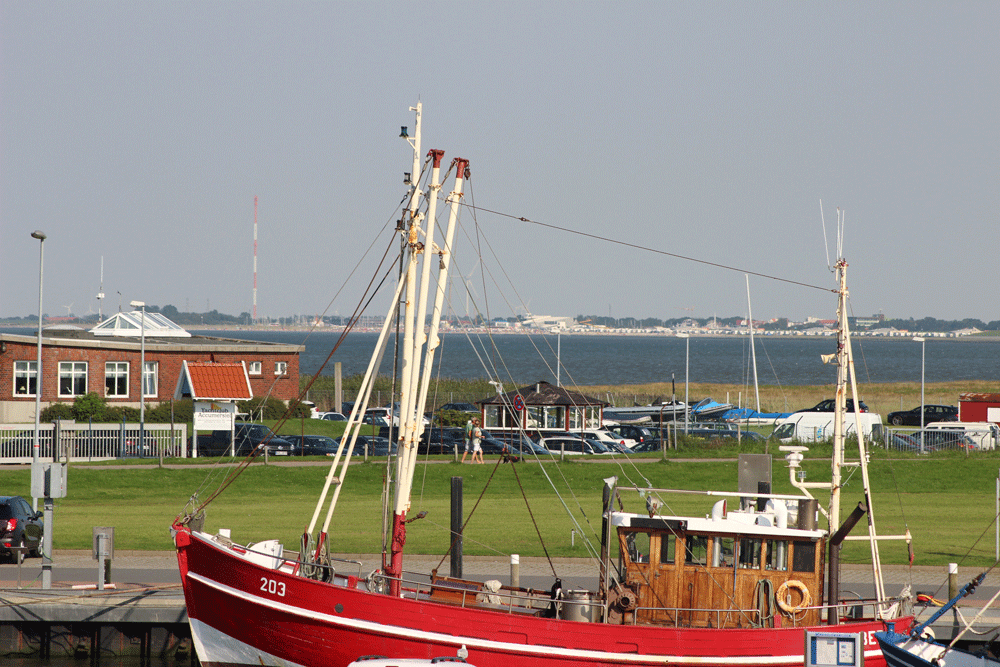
<point x="48" y="479"/>
<point x="104" y="542"/>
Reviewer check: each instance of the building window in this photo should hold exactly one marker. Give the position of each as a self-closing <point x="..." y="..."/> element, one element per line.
<point x="116" y="379"/>
<point x="255" y="368"/>
<point x="72" y="378"/>
<point x="150" y="380"/>
<point x="280" y="367"/>
<point x="25" y="378"/>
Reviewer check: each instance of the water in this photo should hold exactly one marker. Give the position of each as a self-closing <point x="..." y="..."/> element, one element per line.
<point x="623" y="360"/>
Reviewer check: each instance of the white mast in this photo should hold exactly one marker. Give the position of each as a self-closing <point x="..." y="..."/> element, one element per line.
<point x="753" y="349"/>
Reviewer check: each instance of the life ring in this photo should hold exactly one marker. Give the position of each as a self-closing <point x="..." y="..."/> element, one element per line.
<point x="782" y="595"/>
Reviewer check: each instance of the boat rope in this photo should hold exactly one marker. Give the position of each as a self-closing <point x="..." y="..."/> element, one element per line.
<point x="234" y="473"/>
<point x="656" y="251"/>
<point x="469" y="517"/>
<point x="533" y="522"/>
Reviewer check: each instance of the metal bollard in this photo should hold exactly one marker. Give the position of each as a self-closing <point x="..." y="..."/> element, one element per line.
<point x="952" y="579"/>
<point x="515" y="571"/>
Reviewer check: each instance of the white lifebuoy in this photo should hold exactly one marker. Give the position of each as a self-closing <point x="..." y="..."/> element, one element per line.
<point x="782" y="595"/>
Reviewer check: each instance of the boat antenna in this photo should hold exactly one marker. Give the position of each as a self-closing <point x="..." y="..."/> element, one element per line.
<point x="826" y="243"/>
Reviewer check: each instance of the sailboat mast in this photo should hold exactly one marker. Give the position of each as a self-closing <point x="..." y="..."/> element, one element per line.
<point x="753" y="348"/>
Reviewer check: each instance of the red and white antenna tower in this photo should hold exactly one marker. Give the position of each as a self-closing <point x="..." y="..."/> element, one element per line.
<point x="253" y="317"/>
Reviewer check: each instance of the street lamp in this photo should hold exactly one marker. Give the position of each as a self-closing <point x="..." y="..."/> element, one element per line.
<point x="142" y="374"/>
<point x="687" y="357"/>
<point x="40" y="235"/>
<point x="923" y="349"/>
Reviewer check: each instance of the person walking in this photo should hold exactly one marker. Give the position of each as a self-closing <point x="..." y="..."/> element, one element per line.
<point x="477" y="441"/>
<point x="468" y="439"/>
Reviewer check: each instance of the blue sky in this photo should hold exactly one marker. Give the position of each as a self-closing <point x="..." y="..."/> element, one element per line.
<point x="141" y="132"/>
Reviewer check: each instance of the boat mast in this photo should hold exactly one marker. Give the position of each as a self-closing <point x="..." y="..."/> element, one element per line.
<point x="846" y="373"/>
<point x="415" y="399"/>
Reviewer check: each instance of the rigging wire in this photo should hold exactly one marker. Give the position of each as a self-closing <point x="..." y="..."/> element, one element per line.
<point x="656" y="251"/>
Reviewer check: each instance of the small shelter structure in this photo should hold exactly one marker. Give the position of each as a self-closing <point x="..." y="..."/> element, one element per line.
<point x="542" y="407"/>
<point x="214" y="388"/>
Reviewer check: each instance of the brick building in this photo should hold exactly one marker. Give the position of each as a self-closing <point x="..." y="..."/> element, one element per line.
<point x="106" y="360"/>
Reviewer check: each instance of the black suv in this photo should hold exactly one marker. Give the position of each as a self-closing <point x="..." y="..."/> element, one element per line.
<point x="932" y="413"/>
<point x="20" y="526"/>
<point x="830" y="405"/>
<point x="248" y="437"/>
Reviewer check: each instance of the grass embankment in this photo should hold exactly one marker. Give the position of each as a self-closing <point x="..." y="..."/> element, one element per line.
<point x="945" y="500"/>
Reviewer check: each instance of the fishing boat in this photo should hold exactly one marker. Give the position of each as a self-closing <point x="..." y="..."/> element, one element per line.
<point x="738" y="585"/>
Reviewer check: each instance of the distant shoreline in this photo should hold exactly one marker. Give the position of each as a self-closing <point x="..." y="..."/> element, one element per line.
<point x="975" y="338"/>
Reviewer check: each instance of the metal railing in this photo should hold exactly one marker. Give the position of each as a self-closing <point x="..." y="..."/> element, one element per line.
<point x="91" y="442"/>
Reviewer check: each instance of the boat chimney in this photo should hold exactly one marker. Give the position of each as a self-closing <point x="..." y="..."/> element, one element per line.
<point x="807" y="514"/>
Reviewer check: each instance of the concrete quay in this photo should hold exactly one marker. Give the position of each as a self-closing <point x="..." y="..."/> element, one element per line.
<point x="144" y="613"/>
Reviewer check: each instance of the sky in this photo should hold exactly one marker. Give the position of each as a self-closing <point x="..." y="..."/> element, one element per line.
<point x="697" y="140"/>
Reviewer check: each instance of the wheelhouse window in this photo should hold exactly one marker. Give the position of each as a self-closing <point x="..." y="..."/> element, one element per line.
<point x="116" y="379"/>
<point x="254" y="368"/>
<point x="25" y="378"/>
<point x="696" y="550"/>
<point x="723" y="551"/>
<point x="280" y="367"/>
<point x="151" y="379"/>
<point x="776" y="557"/>
<point x="638" y="547"/>
<point x="667" y="547"/>
<point x="72" y="378"/>
<point x="804" y="557"/>
<point x="749" y="554"/>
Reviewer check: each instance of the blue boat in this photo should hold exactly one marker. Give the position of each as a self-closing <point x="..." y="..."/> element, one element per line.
<point x="920" y="649"/>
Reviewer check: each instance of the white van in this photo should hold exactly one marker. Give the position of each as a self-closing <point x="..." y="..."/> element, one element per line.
<point x="984" y="435"/>
<point x="815" y="426"/>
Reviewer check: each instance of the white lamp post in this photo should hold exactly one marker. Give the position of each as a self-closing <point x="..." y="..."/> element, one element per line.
<point x="687" y="357"/>
<point x="923" y="349"/>
<point x="40" y="235"/>
<point x="142" y="374"/>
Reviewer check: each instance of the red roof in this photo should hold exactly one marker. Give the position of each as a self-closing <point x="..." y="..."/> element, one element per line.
<point x="209" y="380"/>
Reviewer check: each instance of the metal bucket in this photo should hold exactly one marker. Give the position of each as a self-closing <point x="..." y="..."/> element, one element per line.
<point x="577" y="605"/>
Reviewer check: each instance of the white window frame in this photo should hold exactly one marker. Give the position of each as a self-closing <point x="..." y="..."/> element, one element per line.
<point x="255" y="367"/>
<point x="74" y="371"/>
<point x="114" y="369"/>
<point x="151" y="380"/>
<point x="281" y="368"/>
<point x="29" y="371"/>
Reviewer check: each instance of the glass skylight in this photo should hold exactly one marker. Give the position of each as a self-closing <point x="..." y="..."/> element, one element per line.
<point x="130" y="324"/>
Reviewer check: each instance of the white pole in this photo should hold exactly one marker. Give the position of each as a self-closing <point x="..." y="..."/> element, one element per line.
<point x="753" y="350"/>
<point x="35" y="450"/>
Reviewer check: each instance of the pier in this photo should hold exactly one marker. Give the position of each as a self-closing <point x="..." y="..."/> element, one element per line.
<point x="144" y="614"/>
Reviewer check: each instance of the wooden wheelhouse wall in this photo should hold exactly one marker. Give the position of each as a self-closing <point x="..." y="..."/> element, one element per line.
<point x="718" y="580"/>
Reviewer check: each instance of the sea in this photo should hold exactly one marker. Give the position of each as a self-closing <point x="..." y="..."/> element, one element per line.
<point x="637" y="359"/>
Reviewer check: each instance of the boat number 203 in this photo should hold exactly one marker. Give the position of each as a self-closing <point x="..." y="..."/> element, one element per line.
<point x="273" y="587"/>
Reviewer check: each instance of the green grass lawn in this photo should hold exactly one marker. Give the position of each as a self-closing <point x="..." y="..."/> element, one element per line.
<point x="947" y="502"/>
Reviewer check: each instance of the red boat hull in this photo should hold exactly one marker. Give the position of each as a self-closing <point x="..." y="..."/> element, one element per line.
<point x="242" y="613"/>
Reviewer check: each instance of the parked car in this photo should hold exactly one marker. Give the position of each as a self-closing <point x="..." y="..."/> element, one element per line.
<point x="374" y="445"/>
<point x="20" y="526"/>
<point x="312" y="445"/>
<point x="607" y="437"/>
<point x="935" y="440"/>
<point x="247" y="438"/>
<point x="460" y="407"/>
<point x="571" y="444"/>
<point x="520" y="443"/>
<point x="830" y="405"/>
<point x="932" y="413"/>
<point x="441" y="440"/>
<point x="633" y="432"/>
<point x="332" y="417"/>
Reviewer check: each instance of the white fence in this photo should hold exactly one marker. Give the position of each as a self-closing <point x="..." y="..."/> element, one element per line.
<point x="92" y="442"/>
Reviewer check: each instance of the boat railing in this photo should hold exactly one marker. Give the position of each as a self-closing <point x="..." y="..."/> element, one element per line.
<point x="682" y="616"/>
